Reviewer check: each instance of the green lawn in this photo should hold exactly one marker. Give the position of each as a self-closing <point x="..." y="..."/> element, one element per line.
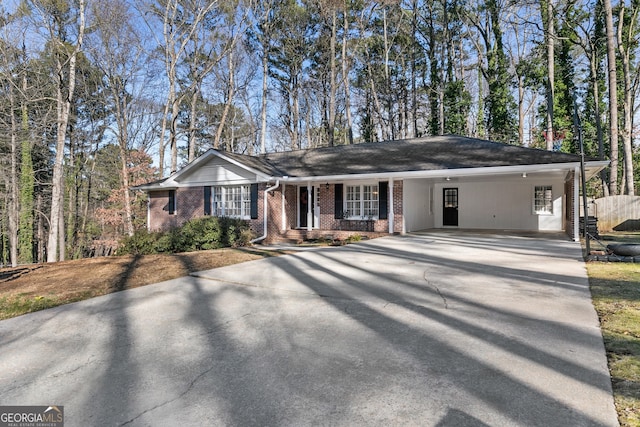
<point x="615" y="289"/>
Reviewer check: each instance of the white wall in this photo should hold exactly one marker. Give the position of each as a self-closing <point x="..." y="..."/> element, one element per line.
<point x="504" y="203"/>
<point x="417" y="196"/>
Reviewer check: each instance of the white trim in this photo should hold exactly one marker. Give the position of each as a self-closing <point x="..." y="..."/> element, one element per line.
<point x="360" y="185"/>
<point x="534" y="199"/>
<point x="451" y="173"/>
<point x="224" y="189"/>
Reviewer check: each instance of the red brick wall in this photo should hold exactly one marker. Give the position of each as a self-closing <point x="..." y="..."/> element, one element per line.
<point x="189" y="205"/>
<point x="336" y="227"/>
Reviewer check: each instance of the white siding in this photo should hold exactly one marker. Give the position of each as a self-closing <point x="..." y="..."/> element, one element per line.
<point x="501" y="203"/>
<point x="217" y="171"/>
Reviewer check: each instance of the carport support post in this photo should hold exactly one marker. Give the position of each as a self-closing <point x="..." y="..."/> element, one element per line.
<point x="390" y="206"/>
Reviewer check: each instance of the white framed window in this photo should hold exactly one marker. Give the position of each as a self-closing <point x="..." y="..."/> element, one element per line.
<point x="362" y="201"/>
<point x="543" y="199"/>
<point x="231" y="201"/>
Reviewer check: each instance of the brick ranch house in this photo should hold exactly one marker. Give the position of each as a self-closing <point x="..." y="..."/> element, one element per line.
<point x="378" y="188"/>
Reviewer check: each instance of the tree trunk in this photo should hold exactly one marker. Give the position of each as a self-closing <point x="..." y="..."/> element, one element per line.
<point x="263" y="107"/>
<point x="521" y="110"/>
<point x="13" y="208"/>
<point x="596" y="105"/>
<point x="63" y="108"/>
<point x="27" y="179"/>
<point x="627" y="129"/>
<point x="613" y="98"/>
<point x="414" y="94"/>
<point x="173" y="129"/>
<point x="192" y="125"/>
<point x="123" y="139"/>
<point x="295" y="100"/>
<point x="550" y="38"/>
<point x="229" y="100"/>
<point x="345" y="75"/>
<point x="331" y="125"/>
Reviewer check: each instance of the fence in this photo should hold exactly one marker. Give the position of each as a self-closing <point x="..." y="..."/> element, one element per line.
<point x="619" y="213"/>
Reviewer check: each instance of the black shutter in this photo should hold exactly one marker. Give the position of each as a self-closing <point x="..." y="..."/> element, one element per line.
<point x="207" y="200"/>
<point x="339" y="209"/>
<point x="172" y="202"/>
<point x="383" y="200"/>
<point x="254" y="201"/>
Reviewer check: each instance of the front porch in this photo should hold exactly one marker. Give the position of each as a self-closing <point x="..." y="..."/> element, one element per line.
<point x="299" y="212"/>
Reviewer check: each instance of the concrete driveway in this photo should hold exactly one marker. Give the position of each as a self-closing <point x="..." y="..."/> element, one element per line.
<point x="438" y="329"/>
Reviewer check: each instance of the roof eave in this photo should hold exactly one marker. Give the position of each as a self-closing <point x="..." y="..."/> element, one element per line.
<point x="444" y="173"/>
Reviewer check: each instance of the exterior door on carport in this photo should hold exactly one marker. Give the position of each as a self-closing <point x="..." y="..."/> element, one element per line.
<point x="450" y="207"/>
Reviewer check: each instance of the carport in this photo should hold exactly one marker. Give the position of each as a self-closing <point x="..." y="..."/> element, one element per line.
<point x="491" y="199"/>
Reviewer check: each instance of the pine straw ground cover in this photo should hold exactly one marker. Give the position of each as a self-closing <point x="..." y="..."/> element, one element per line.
<point x="36" y="287"/>
<point x="615" y="290"/>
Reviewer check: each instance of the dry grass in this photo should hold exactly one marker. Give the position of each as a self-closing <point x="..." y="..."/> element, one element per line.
<point x="615" y="289"/>
<point x="32" y="288"/>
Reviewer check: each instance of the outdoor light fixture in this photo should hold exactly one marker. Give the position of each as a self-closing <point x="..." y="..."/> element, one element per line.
<point x="326" y="186"/>
<point x="448" y="179"/>
<point x="524" y="174"/>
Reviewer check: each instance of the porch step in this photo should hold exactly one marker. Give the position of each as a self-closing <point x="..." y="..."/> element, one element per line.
<point x="300" y="236"/>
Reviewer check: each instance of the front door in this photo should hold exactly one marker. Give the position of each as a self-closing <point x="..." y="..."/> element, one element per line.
<point x="450" y="207"/>
<point x="303" y="210"/>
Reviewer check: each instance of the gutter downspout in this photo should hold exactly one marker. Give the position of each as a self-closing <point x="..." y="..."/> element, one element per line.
<point x="266" y="193"/>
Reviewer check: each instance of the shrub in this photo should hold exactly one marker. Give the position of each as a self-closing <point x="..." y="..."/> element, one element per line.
<point x="143" y="243"/>
<point x="196" y="234"/>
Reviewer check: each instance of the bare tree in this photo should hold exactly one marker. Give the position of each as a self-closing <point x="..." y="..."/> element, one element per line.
<point x="118" y="52"/>
<point x="180" y="26"/>
<point x="548" y="19"/>
<point x="8" y="76"/>
<point x="625" y="41"/>
<point x="52" y="17"/>
<point x="613" y="97"/>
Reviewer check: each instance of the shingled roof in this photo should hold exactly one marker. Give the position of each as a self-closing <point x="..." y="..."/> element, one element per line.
<point x="419" y="154"/>
<point x="431" y="155"/>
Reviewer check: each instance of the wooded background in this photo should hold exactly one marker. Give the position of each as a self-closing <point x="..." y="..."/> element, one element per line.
<point x="100" y="95"/>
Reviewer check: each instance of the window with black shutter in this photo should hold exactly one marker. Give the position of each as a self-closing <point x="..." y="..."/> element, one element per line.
<point x="207" y="200"/>
<point x="254" y="201"/>
<point x="339" y="207"/>
<point x="172" y="202"/>
<point x="383" y="200"/>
